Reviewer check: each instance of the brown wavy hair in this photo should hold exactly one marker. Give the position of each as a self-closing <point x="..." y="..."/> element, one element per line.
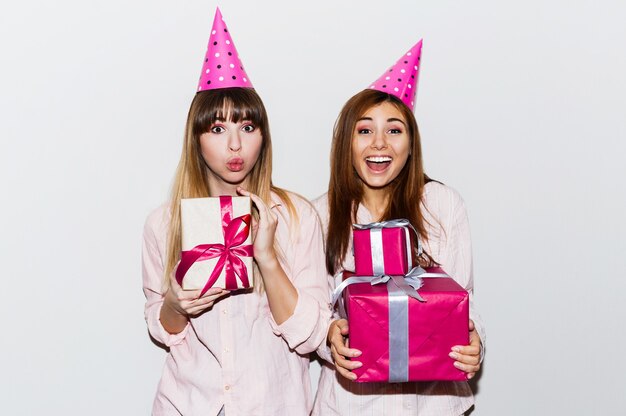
<point x="345" y="190"/>
<point x="235" y="105"/>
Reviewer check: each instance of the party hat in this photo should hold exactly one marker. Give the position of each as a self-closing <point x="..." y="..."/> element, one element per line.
<point x="401" y="79"/>
<point x="222" y="67"/>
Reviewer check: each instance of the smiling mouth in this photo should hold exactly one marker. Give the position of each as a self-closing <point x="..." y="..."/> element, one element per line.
<point x="378" y="163"/>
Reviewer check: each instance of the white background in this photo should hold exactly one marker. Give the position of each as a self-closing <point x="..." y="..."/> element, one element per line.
<point x="521" y="107"/>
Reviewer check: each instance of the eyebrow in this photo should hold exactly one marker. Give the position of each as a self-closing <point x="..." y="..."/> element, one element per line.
<point x="388" y="120"/>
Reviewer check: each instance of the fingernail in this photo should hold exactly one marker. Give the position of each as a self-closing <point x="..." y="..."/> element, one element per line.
<point x="469" y="376"/>
<point x="353" y="376"/>
<point x="456" y="348"/>
<point x="356" y="353"/>
<point x="357" y="364"/>
<point x="453" y="355"/>
<point x="457" y="364"/>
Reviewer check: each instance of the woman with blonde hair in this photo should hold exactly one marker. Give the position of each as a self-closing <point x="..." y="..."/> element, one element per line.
<point x="243" y="352"/>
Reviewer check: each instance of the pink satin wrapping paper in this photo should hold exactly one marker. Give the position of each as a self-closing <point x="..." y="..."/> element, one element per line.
<point x="434" y="328"/>
<point x="396" y="258"/>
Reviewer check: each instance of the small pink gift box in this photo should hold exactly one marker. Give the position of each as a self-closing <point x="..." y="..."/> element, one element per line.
<point x="216" y="243"/>
<point x="402" y="338"/>
<point x="384" y="248"/>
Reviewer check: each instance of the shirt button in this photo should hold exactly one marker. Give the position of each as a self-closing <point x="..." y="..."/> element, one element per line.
<point x="227" y="387"/>
<point x="224" y="311"/>
<point x="226" y="350"/>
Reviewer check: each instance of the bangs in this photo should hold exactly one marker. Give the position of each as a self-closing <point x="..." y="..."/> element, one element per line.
<point x="227" y="104"/>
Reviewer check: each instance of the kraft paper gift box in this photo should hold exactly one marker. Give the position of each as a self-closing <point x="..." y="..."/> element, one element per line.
<point x="216" y="243"/>
<point x="404" y="339"/>
<point x="384" y="248"/>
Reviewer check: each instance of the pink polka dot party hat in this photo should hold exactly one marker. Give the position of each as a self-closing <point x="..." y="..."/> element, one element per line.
<point x="401" y="79"/>
<point x="222" y="67"/>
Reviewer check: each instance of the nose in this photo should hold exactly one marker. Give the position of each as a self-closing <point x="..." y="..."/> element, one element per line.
<point x="379" y="141"/>
<point x="234" y="142"/>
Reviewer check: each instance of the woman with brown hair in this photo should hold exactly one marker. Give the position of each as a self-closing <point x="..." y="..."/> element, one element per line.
<point x="377" y="174"/>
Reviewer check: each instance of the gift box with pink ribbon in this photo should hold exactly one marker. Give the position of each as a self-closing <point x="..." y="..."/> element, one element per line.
<point x="216" y="243"/>
<point x="405" y="326"/>
<point x="387" y="247"/>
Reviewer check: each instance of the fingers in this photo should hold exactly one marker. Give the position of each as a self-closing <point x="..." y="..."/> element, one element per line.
<point x="199" y="305"/>
<point x="214" y="291"/>
<point x="342" y="325"/>
<point x="337" y="338"/>
<point x="340" y="351"/>
<point x="260" y="204"/>
<point x="467" y="358"/>
<point x="474" y="337"/>
<point x="344" y="366"/>
<point x="179" y="292"/>
<point x="189" y="302"/>
<point x="470" y="369"/>
<point x="264" y="211"/>
<point x="263" y="238"/>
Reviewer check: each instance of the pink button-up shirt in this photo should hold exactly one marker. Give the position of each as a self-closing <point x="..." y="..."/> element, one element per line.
<point x="235" y="355"/>
<point x="449" y="244"/>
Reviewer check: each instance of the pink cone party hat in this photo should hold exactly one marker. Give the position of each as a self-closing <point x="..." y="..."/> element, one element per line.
<point x="401" y="79"/>
<point x="222" y="67"/>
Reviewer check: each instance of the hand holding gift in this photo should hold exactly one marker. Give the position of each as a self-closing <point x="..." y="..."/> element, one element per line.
<point x="263" y="230"/>
<point x="190" y="302"/>
<point x="468" y="357"/>
<point x="281" y="293"/>
<point x="179" y="305"/>
<point x="338" y="340"/>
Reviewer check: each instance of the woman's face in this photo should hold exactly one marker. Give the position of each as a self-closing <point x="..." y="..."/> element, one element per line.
<point x="380" y="145"/>
<point x="230" y="151"/>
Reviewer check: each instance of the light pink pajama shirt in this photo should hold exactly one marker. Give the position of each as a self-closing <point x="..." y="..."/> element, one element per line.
<point x="449" y="244"/>
<point x="235" y="355"/>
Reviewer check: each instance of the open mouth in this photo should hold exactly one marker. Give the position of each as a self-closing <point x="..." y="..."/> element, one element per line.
<point x="378" y="163"/>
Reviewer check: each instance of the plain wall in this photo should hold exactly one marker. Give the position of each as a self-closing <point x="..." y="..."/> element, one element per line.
<point x="521" y="108"/>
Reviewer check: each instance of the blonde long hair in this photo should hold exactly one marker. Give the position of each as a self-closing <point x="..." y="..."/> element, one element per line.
<point x="234" y="104"/>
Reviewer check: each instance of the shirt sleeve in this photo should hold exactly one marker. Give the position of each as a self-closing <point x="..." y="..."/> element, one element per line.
<point x="306" y="328"/>
<point x="320" y="205"/>
<point x="153" y="271"/>
<point x="323" y="351"/>
<point x="458" y="258"/>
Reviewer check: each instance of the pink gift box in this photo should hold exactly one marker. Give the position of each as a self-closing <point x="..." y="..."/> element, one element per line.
<point x="431" y="329"/>
<point x="216" y="243"/>
<point x="383" y="248"/>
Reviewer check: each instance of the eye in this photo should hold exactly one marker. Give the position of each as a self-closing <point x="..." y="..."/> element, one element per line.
<point x="217" y="129"/>
<point x="363" y="130"/>
<point x="395" y="131"/>
<point x="249" y="128"/>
